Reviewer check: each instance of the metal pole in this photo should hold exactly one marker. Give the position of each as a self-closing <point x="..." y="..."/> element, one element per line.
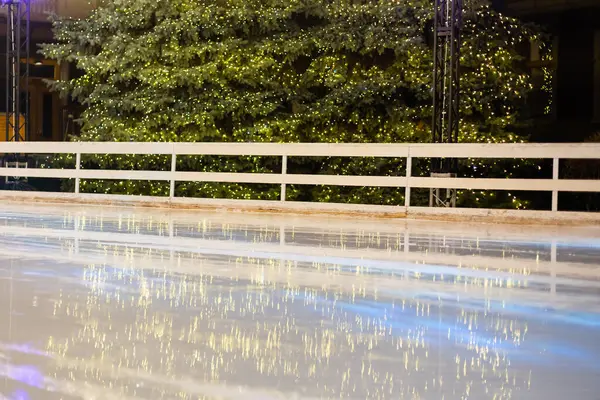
<point x="16" y="8"/>
<point x="445" y="91"/>
<point x="446" y="77"/>
<point x="8" y="68"/>
<point x="25" y="17"/>
<point x="18" y="25"/>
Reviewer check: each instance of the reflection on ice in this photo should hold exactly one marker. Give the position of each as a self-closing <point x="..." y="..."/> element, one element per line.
<point x="115" y="303"/>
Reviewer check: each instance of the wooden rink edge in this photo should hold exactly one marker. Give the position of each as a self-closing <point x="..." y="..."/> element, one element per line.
<point x="390" y="213"/>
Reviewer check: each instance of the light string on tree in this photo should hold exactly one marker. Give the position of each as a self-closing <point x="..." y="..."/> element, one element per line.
<point x="285" y="71"/>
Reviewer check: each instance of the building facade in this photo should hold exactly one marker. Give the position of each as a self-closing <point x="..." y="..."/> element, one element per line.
<point x="49" y="115"/>
<point x="575" y="29"/>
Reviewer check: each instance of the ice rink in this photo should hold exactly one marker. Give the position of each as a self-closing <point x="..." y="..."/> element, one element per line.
<point x="109" y="303"/>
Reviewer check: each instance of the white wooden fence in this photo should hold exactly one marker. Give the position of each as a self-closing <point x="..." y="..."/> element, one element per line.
<point x="555" y="152"/>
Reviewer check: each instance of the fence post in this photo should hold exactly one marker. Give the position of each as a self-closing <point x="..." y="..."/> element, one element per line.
<point x="408" y="175"/>
<point x="283" y="174"/>
<point x="555" y="166"/>
<point x="77" y="168"/>
<point x="173" y="169"/>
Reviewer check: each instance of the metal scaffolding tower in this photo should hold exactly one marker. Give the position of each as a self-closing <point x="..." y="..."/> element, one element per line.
<point x="18" y="21"/>
<point x="446" y="79"/>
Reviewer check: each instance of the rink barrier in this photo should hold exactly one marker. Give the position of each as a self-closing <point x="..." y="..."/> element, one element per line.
<point x="409" y="152"/>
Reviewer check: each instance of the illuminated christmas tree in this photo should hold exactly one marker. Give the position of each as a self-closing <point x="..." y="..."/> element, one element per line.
<point x="282" y="71"/>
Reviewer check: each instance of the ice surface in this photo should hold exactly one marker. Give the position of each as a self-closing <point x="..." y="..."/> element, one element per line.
<point x="102" y="303"/>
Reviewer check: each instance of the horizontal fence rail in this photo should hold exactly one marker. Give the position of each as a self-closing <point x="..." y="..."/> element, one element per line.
<point x="409" y="152"/>
<point x="421" y="150"/>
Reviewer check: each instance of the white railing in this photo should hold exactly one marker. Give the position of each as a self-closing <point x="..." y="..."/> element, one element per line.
<point x="555" y="152"/>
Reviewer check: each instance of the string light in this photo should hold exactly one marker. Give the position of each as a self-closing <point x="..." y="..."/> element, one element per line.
<point x="283" y="71"/>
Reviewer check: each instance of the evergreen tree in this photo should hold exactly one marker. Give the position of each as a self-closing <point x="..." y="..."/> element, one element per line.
<point x="281" y="71"/>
